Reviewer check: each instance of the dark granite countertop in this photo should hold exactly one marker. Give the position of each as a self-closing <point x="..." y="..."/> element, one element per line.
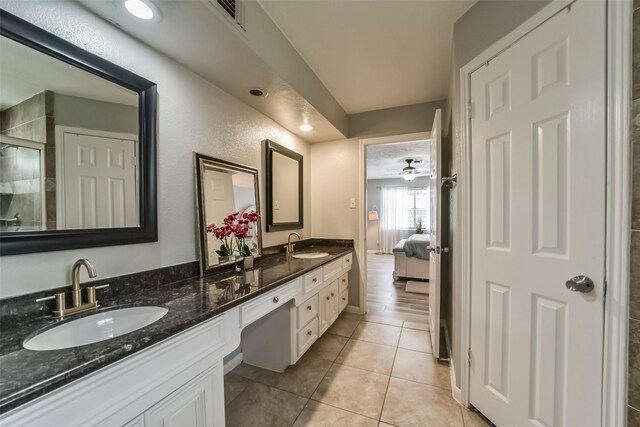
<point x="26" y="374"/>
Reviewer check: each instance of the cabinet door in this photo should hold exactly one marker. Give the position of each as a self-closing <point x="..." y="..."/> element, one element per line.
<point x="344" y="300"/>
<point x="325" y="312"/>
<point x="335" y="300"/>
<point x="197" y="404"/>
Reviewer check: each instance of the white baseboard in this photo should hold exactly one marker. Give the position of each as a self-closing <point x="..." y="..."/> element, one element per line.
<point x="456" y="392"/>
<point x="233" y="363"/>
<point x="353" y="309"/>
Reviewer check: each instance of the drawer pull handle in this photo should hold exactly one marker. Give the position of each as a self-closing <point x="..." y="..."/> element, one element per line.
<point x="328" y="297"/>
<point x="344" y="280"/>
<point x="309" y="333"/>
<point x="332" y="294"/>
<point x="348" y="260"/>
<point x="276" y="300"/>
<point x="309" y="307"/>
<point x="344" y="299"/>
<point x="315" y="280"/>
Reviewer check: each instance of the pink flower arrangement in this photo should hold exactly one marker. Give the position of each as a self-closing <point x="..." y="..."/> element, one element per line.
<point x="233" y="233"/>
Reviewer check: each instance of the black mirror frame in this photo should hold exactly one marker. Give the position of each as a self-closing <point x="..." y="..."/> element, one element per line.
<point x="201" y="223"/>
<point x="270" y="148"/>
<point x="27" y="34"/>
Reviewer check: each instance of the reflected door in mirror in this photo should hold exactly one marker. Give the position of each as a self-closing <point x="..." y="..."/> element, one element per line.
<point x="97" y="186"/>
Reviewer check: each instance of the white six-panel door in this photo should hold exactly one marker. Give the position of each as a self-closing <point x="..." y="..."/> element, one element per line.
<point x="99" y="182"/>
<point x="435" y="238"/>
<point x="538" y="219"/>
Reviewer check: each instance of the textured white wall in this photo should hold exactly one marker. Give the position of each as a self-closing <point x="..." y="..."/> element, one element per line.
<point x="334" y="181"/>
<point x="193" y="115"/>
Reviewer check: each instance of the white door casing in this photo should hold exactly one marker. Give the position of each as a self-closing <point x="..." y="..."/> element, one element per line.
<point x="98" y="180"/>
<point x="538" y="157"/>
<point x="218" y="185"/>
<point x="435" y="238"/>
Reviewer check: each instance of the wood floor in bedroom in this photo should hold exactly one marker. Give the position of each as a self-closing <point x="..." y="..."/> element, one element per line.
<point x="386" y="297"/>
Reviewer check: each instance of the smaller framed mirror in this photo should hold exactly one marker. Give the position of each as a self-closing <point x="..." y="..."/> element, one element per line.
<point x="284" y="188"/>
<point x="228" y="205"/>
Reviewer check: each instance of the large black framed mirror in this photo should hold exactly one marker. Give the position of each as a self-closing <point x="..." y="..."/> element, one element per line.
<point x="284" y="188"/>
<point x="228" y="206"/>
<point x="77" y="146"/>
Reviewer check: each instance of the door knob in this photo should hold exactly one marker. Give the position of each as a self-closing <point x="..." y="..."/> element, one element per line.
<point x="580" y="284"/>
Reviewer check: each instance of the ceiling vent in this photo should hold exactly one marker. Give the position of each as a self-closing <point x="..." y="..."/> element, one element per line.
<point x="233" y="9"/>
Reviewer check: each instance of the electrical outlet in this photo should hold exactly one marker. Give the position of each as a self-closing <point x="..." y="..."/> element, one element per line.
<point x="352" y="203"/>
<point x="276" y="204"/>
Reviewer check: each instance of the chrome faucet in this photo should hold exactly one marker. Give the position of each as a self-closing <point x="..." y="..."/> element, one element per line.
<point x="291" y="245"/>
<point x="78" y="306"/>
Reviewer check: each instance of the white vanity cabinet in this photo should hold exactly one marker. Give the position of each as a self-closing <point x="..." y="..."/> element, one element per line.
<point x="327" y="294"/>
<point x="179" y="382"/>
<point x="168" y="384"/>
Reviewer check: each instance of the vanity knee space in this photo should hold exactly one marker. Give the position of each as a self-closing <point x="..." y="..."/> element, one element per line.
<point x="306" y="307"/>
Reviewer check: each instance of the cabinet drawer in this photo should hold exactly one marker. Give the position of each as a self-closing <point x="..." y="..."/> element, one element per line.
<point x="312" y="281"/>
<point x="307" y="311"/>
<point x="332" y="270"/>
<point x="344" y="281"/>
<point x="306" y="336"/>
<point x="344" y="299"/>
<point x="347" y="261"/>
<point x="258" y="307"/>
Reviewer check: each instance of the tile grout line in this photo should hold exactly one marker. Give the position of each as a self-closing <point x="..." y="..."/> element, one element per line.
<point x="304" y="407"/>
<point x="336" y="363"/>
<point x="384" y="399"/>
<point x="342" y="409"/>
<point x="333" y="362"/>
<point x="425" y="384"/>
<point x="309" y="399"/>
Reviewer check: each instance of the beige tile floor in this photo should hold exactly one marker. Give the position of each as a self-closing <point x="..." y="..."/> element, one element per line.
<point x="373" y="371"/>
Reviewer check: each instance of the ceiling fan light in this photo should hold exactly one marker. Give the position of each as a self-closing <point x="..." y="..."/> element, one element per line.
<point x="409" y="173"/>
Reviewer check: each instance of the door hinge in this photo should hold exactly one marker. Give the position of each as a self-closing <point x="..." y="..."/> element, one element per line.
<point x="469" y="357"/>
<point x="134" y="161"/>
<point x="605" y="287"/>
<point x="470" y="110"/>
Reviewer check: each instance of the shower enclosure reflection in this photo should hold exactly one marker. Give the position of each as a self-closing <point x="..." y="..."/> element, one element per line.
<point x="21" y="185"/>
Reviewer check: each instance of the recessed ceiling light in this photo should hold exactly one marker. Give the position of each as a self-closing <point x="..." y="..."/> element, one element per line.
<point x="140" y="9"/>
<point x="256" y="91"/>
<point x="306" y="127"/>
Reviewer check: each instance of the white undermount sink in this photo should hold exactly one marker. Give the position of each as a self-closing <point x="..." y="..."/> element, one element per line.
<point x="95" y="328"/>
<point x="310" y="255"/>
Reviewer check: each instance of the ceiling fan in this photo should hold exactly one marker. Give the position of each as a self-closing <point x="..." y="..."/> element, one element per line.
<point x="409" y="173"/>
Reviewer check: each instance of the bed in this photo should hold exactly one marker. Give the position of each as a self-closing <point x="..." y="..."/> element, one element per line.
<point x="411" y="257"/>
